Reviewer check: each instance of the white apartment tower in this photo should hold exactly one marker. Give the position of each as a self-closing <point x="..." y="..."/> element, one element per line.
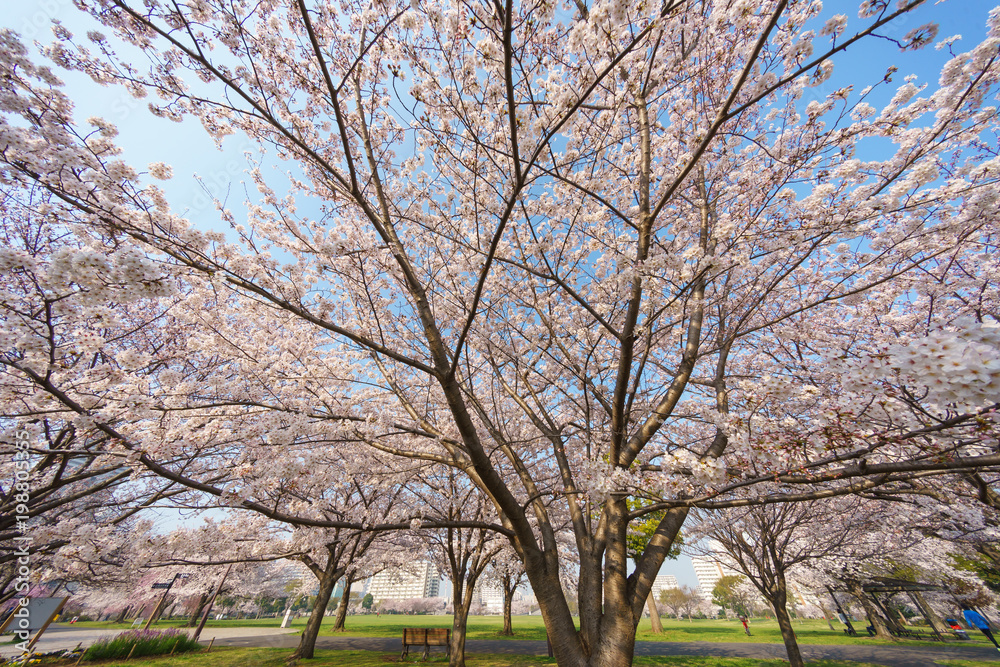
<point x="709" y="571"/>
<point x="663" y="582"/>
<point x="489" y="595"/>
<point x="418" y="580"/>
<point x="294" y="572"/>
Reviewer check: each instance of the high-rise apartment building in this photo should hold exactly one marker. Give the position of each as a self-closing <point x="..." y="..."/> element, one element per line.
<point x="709" y="571"/>
<point x="417" y="580"/>
<point x="294" y="572"/>
<point x="489" y="595"/>
<point x="662" y="582"/>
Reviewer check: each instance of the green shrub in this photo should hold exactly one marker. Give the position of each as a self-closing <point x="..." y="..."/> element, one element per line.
<point x="146" y="642"/>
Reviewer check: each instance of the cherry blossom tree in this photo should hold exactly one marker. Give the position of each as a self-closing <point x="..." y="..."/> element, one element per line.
<point x="680" y="601"/>
<point x="331" y="554"/>
<point x="84" y="488"/>
<point x="734" y="593"/>
<point x="578" y="253"/>
<point x="413" y="606"/>
<point x="75" y="516"/>
<point x="342" y="554"/>
<point x="463" y="554"/>
<point x="888" y="542"/>
<point x="343" y="605"/>
<point x="507" y="572"/>
<point x="64" y="492"/>
<point x="765" y="543"/>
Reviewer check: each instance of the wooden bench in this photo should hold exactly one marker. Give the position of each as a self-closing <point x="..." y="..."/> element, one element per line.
<point x="920" y="634"/>
<point x="426" y="637"/>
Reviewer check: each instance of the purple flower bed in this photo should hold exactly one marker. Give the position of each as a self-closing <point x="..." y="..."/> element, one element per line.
<point x="146" y="642"/>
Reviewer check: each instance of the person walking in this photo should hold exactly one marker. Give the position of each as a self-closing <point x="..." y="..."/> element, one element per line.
<point x="746" y="628"/>
<point x="976" y="620"/>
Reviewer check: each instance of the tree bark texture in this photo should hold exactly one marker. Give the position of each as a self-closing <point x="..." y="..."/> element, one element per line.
<point x="508" y="601"/>
<point x="874" y="618"/>
<point x="307" y="645"/>
<point x="778" y="602"/>
<point x="345" y="600"/>
<point x="654" y="615"/>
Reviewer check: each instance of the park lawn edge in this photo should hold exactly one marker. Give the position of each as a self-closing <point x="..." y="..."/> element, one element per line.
<point x="274" y="657"/>
<point x="530" y="628"/>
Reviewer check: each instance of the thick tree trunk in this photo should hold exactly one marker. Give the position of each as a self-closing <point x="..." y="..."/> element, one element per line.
<point x="654" y="615"/>
<point x="624" y="596"/>
<point x="543" y="575"/>
<point x="590" y="603"/>
<point x="826" y="616"/>
<point x="929" y="614"/>
<point x="617" y="643"/>
<point x="123" y="614"/>
<point x="612" y="646"/>
<point x="345" y="599"/>
<point x="456" y="649"/>
<point x="307" y="645"/>
<point x="778" y="602"/>
<point x="508" y="601"/>
<point x="874" y="618"/>
<point x="193" y="621"/>
<point x="609" y="606"/>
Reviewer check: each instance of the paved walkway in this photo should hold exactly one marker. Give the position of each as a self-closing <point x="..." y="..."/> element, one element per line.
<point x="892" y="656"/>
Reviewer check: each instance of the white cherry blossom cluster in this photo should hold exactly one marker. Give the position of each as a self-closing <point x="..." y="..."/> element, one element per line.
<point x="956" y="368"/>
<point x="600" y="479"/>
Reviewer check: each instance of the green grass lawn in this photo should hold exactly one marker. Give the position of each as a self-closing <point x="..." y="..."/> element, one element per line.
<point x="762" y="631"/>
<point x="265" y="657"/>
<point x="531" y="627"/>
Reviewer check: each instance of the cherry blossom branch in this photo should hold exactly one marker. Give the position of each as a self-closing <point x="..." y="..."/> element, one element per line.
<point x="158" y="469"/>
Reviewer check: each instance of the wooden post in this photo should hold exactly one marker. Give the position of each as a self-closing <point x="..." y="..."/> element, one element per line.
<point x="932" y="618"/>
<point x="208" y="607"/>
<point x="847" y="619"/>
<point x="158" y="609"/>
<point x="129" y="657"/>
<point x="826" y="616"/>
<point x="894" y="626"/>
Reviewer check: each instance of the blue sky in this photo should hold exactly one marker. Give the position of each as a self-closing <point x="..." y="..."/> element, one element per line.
<point x="146" y="138"/>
